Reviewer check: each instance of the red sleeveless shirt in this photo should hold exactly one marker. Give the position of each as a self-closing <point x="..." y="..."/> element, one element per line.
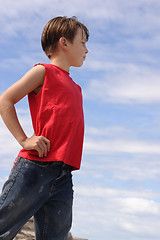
<point x="57" y="114"/>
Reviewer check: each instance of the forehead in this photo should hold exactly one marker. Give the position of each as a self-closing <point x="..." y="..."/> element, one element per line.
<point x="80" y="34"/>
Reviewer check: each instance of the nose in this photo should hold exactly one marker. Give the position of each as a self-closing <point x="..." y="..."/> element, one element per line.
<point x="86" y="50"/>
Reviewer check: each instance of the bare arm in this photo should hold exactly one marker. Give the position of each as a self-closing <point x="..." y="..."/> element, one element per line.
<point x="31" y="81"/>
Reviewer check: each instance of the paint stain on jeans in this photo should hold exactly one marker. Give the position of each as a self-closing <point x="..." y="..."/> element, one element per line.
<point x="41" y="189"/>
<point x="11" y="205"/>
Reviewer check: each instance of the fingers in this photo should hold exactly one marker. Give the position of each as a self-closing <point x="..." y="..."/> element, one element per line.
<point x="42" y="146"/>
<point x="38" y="143"/>
<point x="47" y="142"/>
<point x="41" y="149"/>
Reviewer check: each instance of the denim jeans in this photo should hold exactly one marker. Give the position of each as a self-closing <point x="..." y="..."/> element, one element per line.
<point x="42" y="190"/>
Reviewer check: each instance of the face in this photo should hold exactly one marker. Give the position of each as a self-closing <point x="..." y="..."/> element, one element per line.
<point x="77" y="50"/>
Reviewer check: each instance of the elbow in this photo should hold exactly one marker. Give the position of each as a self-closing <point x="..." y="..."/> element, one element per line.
<point x="0" y="105"/>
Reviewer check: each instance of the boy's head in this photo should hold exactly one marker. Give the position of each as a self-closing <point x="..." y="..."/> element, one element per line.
<point x="60" y="27"/>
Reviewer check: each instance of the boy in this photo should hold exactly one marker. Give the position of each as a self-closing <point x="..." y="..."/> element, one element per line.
<point x="40" y="183"/>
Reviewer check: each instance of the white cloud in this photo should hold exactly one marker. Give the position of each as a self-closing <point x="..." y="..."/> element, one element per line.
<point x="134" y="16"/>
<point x="111" y="168"/>
<point x="121" y="145"/>
<point x="118" y="151"/>
<point x="125" y="83"/>
<point x="115" y="193"/>
<point x="22" y="62"/>
<point x="26" y="16"/>
<point x="139" y="206"/>
<point x="116" y="214"/>
<point x="110" y="131"/>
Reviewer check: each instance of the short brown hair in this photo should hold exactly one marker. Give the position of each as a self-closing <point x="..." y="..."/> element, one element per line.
<point x="60" y="27"/>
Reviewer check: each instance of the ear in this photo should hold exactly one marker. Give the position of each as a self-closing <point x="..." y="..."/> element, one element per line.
<point x="63" y="42"/>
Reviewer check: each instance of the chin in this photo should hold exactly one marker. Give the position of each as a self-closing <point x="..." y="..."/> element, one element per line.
<point x="77" y="64"/>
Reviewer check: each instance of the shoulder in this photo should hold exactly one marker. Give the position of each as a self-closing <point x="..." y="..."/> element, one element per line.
<point x="39" y="68"/>
<point x="37" y="72"/>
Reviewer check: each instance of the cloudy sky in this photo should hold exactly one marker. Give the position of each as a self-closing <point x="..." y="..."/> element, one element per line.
<point x="117" y="190"/>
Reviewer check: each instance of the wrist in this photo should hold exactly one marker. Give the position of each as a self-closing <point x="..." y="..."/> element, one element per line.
<point x="22" y="141"/>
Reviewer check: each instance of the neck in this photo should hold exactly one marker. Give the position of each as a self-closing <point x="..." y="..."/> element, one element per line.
<point x="60" y="62"/>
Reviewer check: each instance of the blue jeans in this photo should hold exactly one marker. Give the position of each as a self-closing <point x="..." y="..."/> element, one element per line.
<point x="42" y="190"/>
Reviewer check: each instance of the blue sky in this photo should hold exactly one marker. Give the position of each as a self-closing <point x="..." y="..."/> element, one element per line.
<point x="117" y="190"/>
